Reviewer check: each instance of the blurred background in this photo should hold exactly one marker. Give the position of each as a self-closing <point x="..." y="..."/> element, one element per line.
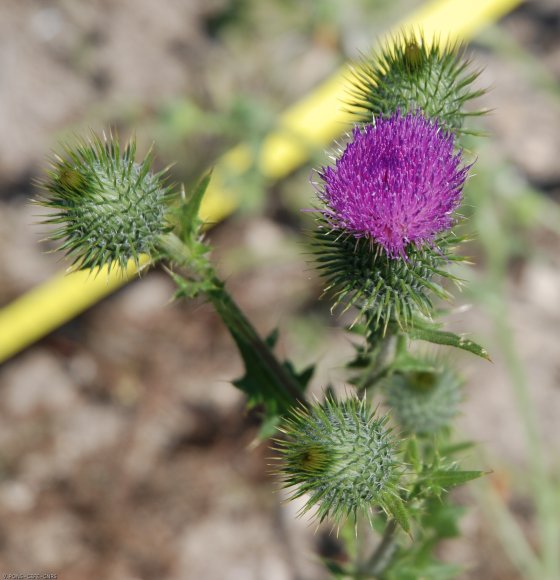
<point x="124" y="451"/>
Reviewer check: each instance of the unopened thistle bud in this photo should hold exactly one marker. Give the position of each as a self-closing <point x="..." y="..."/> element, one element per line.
<point x="108" y="207"/>
<point x="343" y="457"/>
<point x="388" y="205"/>
<point x="424" y="402"/>
<point x="407" y="75"/>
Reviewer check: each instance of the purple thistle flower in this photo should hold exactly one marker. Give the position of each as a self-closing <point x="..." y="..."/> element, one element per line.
<point x="397" y="183"/>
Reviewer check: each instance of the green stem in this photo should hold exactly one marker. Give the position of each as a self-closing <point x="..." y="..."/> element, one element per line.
<point x="381" y="353"/>
<point x="381" y="557"/>
<point x="286" y="389"/>
<point x="276" y="381"/>
<point x="402" y="344"/>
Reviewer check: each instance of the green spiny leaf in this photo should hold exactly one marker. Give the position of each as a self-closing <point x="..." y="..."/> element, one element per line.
<point x="436" y="336"/>
<point x="265" y="379"/>
<point x="396" y="508"/>
<point x="189" y="222"/>
<point x="443" y="517"/>
<point x="412" y="454"/>
<point x="450" y="478"/>
<point x="452" y="449"/>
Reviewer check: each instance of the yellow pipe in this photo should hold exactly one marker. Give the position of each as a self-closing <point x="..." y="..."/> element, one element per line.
<point x="308" y="125"/>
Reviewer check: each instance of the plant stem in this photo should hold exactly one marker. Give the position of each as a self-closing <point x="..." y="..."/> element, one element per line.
<point x="287" y="389"/>
<point x="275" y="381"/>
<point x="382" y="555"/>
<point x="381" y="352"/>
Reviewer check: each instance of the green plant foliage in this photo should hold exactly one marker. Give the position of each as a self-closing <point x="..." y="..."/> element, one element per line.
<point x="342" y="455"/>
<point x="434" y="470"/>
<point x="187" y="248"/>
<point x="188" y="221"/>
<point x="439" y="475"/>
<point x="263" y="386"/>
<point x="267" y="382"/>
<point x="385" y="290"/>
<point x="439" y="521"/>
<point x="407" y="75"/>
<point x="430" y="332"/>
<point x="108" y="208"/>
<point x="368" y="367"/>
<point x="423" y="402"/>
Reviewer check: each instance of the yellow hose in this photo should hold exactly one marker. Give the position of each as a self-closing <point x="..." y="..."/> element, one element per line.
<point x="308" y="125"/>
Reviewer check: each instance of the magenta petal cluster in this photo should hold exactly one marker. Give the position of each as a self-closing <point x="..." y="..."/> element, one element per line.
<point x="397" y="182"/>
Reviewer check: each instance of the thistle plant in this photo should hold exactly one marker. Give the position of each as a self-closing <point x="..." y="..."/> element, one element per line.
<point x="384" y="241"/>
<point x="388" y="208"/>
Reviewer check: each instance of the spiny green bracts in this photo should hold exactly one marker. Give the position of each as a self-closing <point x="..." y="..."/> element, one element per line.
<point x="383" y="289"/>
<point x="108" y="208"/>
<point x="408" y="76"/>
<point x="387" y="207"/>
<point x="342" y="455"/>
<point x="424" y="402"/>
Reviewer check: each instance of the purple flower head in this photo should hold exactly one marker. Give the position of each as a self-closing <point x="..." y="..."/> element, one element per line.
<point x="397" y="183"/>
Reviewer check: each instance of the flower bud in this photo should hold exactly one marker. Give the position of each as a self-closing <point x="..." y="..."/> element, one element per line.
<point x="108" y="207"/>
<point x="407" y="75"/>
<point x="424" y="402"/>
<point x="342" y="456"/>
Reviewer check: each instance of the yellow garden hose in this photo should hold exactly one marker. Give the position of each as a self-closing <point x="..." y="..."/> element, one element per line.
<point x="308" y="125"/>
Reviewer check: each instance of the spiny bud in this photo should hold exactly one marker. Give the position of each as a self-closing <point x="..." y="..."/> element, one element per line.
<point x="408" y="75"/>
<point x="388" y="204"/>
<point x="108" y="207"/>
<point x="342" y="455"/>
<point x="424" y="402"/>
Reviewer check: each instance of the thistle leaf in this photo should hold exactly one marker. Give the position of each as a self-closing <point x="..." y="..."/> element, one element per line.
<point x="187" y="212"/>
<point x="453" y="448"/>
<point x="395" y="507"/>
<point x="424" y="331"/>
<point x="261" y="385"/>
<point x="450" y="478"/>
<point x="266" y="381"/>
